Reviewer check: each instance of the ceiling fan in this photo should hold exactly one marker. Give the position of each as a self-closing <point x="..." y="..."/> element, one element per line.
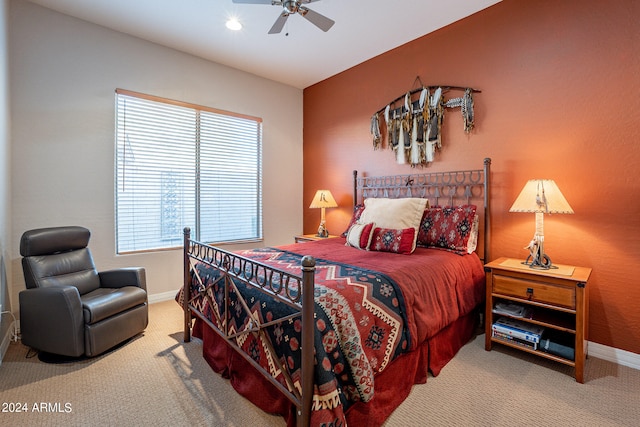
<point x="290" y="7"/>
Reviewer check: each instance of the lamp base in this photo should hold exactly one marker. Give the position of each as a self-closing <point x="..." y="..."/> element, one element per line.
<point x="541" y="262"/>
<point x="537" y="258"/>
<point x="322" y="231"/>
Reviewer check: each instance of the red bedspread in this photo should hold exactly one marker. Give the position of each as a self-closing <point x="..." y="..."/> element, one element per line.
<point x="438" y="288"/>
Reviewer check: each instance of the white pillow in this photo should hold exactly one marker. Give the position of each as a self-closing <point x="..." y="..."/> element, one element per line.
<point x="394" y="213"/>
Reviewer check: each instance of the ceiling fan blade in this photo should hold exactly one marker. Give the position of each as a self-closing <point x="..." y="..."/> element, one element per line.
<point x="279" y="24"/>
<point x="317" y="19"/>
<point x="253" y="1"/>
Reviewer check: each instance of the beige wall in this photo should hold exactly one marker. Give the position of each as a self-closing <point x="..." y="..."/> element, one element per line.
<point x="5" y="211"/>
<point x="560" y="83"/>
<point x="63" y="75"/>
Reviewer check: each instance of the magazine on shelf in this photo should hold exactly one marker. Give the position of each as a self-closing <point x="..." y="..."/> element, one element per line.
<point x="513" y="340"/>
<point x="518" y="329"/>
<point x="511" y="309"/>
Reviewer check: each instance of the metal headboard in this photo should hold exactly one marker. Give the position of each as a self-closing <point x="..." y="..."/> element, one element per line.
<point x="449" y="188"/>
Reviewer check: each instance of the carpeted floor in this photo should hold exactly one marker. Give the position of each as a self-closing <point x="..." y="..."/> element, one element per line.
<point x="156" y="379"/>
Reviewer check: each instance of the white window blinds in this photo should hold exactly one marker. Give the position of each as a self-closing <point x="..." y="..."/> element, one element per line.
<point x="181" y="165"/>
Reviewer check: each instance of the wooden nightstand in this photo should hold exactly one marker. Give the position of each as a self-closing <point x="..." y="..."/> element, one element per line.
<point x="310" y="238"/>
<point x="556" y="300"/>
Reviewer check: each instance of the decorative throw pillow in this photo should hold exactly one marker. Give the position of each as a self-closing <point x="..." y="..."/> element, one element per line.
<point x="400" y="241"/>
<point x="450" y="228"/>
<point x="394" y="213"/>
<point x="357" y="211"/>
<point x="359" y="235"/>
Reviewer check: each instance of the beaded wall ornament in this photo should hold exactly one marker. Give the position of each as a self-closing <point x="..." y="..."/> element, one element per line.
<point x="412" y="129"/>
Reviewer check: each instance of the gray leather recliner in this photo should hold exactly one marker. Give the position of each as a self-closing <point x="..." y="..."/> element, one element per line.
<point x="69" y="308"/>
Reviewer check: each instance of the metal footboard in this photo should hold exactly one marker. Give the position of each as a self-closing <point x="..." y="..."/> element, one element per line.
<point x="293" y="290"/>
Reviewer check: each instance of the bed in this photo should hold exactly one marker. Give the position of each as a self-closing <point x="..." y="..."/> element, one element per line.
<point x="389" y="306"/>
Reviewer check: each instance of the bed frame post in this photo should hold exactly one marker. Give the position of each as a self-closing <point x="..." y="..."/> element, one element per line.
<point x="308" y="331"/>
<point x="355" y="188"/>
<point x="487" y="210"/>
<point x="186" y="290"/>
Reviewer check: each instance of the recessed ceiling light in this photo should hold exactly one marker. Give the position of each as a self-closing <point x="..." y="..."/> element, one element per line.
<point x="234" y="24"/>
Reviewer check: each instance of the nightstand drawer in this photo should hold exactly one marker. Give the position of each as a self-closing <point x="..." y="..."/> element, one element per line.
<point x="535" y="291"/>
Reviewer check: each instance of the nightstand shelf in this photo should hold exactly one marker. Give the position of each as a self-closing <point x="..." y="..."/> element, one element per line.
<point x="555" y="299"/>
<point x="543" y="315"/>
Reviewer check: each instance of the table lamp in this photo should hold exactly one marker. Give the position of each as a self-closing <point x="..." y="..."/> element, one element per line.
<point x="540" y="196"/>
<point x="323" y="199"/>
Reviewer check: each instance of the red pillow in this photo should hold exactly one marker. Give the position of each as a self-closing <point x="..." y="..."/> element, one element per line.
<point x="448" y="228"/>
<point x="357" y="211"/>
<point x="392" y="240"/>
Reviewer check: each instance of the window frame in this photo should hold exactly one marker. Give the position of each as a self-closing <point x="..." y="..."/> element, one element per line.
<point x="196" y="228"/>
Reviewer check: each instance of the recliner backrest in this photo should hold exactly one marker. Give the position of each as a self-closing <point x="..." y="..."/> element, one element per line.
<point x="58" y="256"/>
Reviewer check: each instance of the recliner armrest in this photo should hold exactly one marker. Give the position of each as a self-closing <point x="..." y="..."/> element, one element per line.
<point x="130" y="276"/>
<point x="51" y="320"/>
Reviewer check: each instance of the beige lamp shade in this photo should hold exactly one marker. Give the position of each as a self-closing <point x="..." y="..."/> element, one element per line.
<point x="541" y="195"/>
<point x="323" y="199"/>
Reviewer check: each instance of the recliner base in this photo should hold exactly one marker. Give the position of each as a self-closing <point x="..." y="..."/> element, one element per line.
<point x="110" y="332"/>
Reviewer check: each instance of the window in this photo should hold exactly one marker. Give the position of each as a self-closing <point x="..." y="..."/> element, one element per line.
<point x="181" y="165"/>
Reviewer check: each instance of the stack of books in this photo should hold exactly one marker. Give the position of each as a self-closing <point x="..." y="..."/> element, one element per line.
<point x="517" y="332"/>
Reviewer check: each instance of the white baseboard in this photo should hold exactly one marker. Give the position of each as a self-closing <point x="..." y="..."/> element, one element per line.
<point x="6" y="340"/>
<point x="615" y="355"/>
<point x="165" y="296"/>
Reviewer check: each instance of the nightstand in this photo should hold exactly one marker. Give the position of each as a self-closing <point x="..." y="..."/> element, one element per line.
<point x="556" y="300"/>
<point x="310" y="238"/>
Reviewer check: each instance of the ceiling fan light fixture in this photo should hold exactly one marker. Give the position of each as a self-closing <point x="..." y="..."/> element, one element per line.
<point x="233" y="24"/>
<point x="291" y="7"/>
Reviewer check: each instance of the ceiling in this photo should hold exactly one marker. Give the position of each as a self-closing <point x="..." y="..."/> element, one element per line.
<point x="300" y="55"/>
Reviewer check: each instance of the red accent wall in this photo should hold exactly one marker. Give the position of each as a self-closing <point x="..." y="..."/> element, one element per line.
<point x="560" y="99"/>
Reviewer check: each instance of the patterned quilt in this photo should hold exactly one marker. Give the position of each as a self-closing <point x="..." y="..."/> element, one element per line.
<point x="360" y="328"/>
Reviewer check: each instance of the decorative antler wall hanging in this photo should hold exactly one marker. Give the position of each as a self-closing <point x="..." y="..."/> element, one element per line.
<point x="412" y="128"/>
